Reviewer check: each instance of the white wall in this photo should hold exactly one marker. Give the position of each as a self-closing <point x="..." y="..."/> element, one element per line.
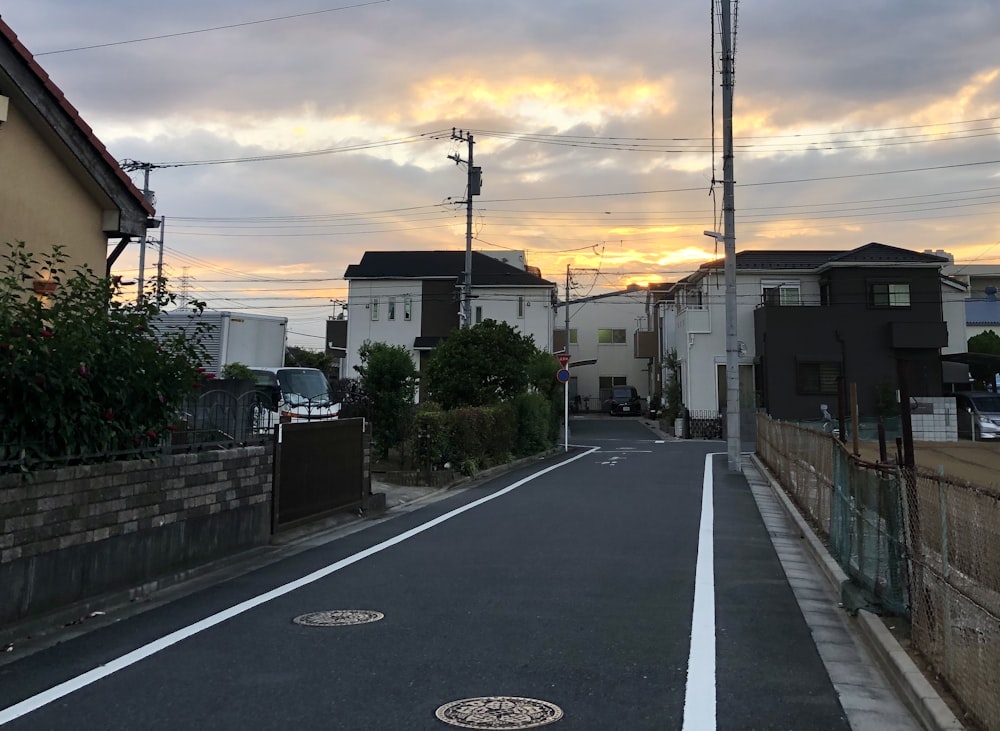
<point x="501" y="305"/>
<point x="621" y="311"/>
<point x="953" y="304"/>
<point x="361" y="297"/>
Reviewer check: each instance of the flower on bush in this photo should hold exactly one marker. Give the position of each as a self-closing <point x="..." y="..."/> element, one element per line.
<point x="110" y="378"/>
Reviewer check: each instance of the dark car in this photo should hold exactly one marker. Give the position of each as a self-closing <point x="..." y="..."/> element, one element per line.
<point x="624" y="401"/>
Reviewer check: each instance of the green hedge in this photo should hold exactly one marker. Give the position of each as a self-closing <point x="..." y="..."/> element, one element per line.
<point x="475" y="438"/>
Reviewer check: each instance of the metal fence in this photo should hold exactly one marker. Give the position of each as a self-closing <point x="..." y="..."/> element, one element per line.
<point x="228" y="414"/>
<point x="922" y="544"/>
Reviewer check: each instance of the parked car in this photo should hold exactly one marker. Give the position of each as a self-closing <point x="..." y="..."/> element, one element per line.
<point x="978" y="415"/>
<point x="624" y="401"/>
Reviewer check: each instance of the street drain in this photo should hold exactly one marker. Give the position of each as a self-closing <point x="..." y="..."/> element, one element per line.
<point x="499" y="712"/>
<point x="338" y="618"/>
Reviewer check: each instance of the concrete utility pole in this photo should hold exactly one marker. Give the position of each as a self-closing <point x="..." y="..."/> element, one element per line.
<point x="142" y="244"/>
<point x="131" y="166"/>
<point x="159" y="260"/>
<point x="567" y="308"/>
<point x="729" y="219"/>
<point x="474" y="187"/>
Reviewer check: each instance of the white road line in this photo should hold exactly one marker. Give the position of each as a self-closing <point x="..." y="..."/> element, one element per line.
<point x="699" y="698"/>
<point x="92" y="676"/>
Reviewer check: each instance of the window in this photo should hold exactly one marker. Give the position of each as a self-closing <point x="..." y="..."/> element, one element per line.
<point x="609" y="382"/>
<point x="391" y="309"/>
<point x="611" y="336"/>
<point x="374" y="308"/>
<point x="572" y="336"/>
<point x="889" y="294"/>
<point x="479" y="314"/>
<point x="817" y="379"/>
<point x="520" y="306"/>
<point x="780" y="293"/>
<point x="407" y="308"/>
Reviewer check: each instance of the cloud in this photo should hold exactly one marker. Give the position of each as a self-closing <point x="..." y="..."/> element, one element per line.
<point x="594" y="126"/>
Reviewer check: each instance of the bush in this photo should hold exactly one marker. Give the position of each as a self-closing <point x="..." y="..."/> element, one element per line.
<point x="237" y="372"/>
<point x="83" y="374"/>
<point x="534" y="424"/>
<point x="388" y="379"/>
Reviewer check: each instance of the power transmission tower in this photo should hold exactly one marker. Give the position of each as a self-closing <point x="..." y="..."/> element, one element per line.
<point x="474" y="188"/>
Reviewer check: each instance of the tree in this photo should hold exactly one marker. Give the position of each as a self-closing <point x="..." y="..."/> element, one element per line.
<point x="989" y="343"/>
<point x="674" y="397"/>
<point x="479" y="366"/>
<point x="302" y="358"/>
<point x="389" y="382"/>
<point x="83" y="372"/>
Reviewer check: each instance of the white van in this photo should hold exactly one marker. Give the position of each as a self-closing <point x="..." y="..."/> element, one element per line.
<point x="295" y="395"/>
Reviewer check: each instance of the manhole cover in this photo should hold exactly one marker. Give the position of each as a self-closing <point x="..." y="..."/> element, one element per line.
<point x="338" y="617"/>
<point x="499" y="712"/>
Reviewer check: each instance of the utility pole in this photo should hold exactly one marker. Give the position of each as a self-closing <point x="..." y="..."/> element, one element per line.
<point x="474" y="188"/>
<point x="142" y="245"/>
<point x="567" y="308"/>
<point x="147" y="194"/>
<point x="159" y="261"/>
<point x="729" y="219"/>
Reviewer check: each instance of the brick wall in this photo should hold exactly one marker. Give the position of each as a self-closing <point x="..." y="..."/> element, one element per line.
<point x="77" y="532"/>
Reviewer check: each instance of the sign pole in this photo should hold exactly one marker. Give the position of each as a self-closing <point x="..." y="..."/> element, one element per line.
<point x="566" y="414"/>
<point x="563" y="375"/>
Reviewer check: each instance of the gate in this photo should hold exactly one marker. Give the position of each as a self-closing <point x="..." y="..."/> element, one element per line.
<point x="319" y="468"/>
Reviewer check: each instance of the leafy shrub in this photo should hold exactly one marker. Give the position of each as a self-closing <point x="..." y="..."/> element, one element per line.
<point x="237" y="372"/>
<point x="388" y="379"/>
<point x="83" y="373"/>
<point x="534" y="424"/>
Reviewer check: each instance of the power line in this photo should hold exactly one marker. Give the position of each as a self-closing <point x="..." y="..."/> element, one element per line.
<point x="209" y="30"/>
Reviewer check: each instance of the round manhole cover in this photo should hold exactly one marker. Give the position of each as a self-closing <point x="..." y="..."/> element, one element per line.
<point x="499" y="712"/>
<point x="338" y="617"/>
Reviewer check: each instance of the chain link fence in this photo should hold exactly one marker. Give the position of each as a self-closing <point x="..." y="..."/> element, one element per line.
<point x="922" y="544"/>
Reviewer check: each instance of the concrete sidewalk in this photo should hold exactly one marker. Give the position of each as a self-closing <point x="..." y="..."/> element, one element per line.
<point x="891" y="658"/>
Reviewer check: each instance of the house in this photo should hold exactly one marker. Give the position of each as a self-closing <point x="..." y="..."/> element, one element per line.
<point x="58" y="183"/>
<point x="414" y="298"/>
<point x="806" y="318"/>
<point x="607" y="345"/>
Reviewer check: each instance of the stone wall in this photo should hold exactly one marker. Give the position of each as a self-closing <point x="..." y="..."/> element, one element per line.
<point x="74" y="533"/>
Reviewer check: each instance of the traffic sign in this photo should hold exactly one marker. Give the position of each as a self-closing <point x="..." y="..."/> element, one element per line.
<point x="562" y="376"/>
<point x="563" y="359"/>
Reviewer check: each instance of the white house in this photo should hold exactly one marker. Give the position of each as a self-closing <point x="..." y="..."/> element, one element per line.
<point x="414" y="299"/>
<point x="602" y="335"/>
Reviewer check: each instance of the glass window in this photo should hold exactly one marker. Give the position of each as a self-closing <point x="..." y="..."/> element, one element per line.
<point x="479" y="314"/>
<point x="817" y="378"/>
<point x="611" y="336"/>
<point x="572" y="336"/>
<point x="520" y="306"/>
<point x="374" y="308"/>
<point x="391" y="309"/>
<point x="407" y="308"/>
<point x="781" y="293"/>
<point x="889" y="294"/>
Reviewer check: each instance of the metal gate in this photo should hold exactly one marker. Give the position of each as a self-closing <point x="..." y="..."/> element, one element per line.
<point x="319" y="468"/>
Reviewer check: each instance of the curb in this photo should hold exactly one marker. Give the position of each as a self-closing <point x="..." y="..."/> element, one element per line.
<point x="917" y="693"/>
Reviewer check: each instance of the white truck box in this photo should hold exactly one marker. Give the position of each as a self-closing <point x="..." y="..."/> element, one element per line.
<point x="233" y="337"/>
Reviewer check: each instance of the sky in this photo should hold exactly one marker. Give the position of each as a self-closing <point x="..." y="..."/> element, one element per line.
<point x="597" y="124"/>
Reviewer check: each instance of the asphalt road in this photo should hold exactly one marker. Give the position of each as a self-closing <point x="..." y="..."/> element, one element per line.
<point x="572" y="582"/>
